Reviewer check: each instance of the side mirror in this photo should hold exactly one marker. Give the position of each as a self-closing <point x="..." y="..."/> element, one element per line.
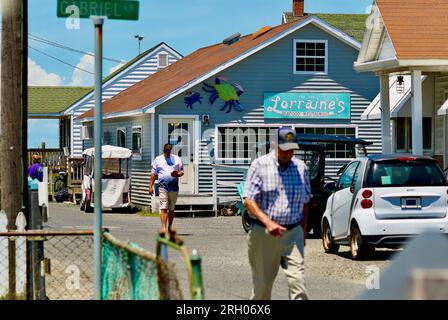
<point x="330" y="187"/>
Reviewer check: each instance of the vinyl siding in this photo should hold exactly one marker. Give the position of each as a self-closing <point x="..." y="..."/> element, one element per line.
<point x="271" y="70"/>
<point x="441" y="85"/>
<point x="140" y="70"/>
<point x="140" y="169"/>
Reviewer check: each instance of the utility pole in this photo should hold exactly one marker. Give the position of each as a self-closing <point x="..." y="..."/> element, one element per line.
<point x="12" y="122"/>
<point x="12" y="107"/>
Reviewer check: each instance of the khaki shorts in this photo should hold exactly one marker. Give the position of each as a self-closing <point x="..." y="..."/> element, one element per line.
<point x="167" y="200"/>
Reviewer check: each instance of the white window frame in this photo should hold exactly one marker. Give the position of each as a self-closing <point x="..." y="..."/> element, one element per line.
<point x="294" y="55"/>
<point x="159" y="60"/>
<point x="137" y="156"/>
<point x="265" y="125"/>
<point x="86" y="132"/>
<point x="122" y="129"/>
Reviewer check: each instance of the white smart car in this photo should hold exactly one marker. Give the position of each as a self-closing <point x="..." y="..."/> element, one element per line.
<point x="382" y="201"/>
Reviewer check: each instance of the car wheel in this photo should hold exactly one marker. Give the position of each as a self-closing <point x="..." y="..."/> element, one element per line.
<point x="359" y="249"/>
<point x="246" y="221"/>
<point x="327" y="239"/>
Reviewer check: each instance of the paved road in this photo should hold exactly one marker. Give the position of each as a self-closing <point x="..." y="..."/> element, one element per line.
<point x="222" y="243"/>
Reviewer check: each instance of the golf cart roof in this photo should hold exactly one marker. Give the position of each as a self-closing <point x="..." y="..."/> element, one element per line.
<point x="110" y="152"/>
<point x="305" y="137"/>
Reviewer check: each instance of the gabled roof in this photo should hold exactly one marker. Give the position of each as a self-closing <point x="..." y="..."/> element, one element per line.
<point x="396" y="100"/>
<point x="200" y="65"/>
<point x="418" y="28"/>
<point x="123" y="68"/>
<point x="352" y="24"/>
<point x="405" y="34"/>
<point x="51" y="101"/>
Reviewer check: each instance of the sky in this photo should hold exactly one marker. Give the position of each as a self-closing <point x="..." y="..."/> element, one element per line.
<point x="185" y="25"/>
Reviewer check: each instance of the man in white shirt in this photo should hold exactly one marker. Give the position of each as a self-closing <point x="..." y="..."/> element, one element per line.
<point x="168" y="168"/>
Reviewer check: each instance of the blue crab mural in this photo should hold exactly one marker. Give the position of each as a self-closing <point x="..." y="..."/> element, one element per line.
<point x="191" y="98"/>
<point x="228" y="92"/>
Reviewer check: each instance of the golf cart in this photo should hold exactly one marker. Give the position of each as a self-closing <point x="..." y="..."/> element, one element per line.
<point x="312" y="152"/>
<point x="116" y="182"/>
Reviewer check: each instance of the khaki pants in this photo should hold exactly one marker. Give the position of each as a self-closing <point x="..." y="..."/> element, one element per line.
<point x="265" y="254"/>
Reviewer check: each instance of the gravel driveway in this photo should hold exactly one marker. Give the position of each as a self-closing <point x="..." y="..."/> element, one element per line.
<point x="222" y="244"/>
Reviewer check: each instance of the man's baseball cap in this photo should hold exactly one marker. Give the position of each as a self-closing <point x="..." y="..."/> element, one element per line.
<point x="287" y="139"/>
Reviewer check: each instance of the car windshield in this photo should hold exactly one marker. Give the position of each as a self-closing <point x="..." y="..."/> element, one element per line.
<point x="396" y="173"/>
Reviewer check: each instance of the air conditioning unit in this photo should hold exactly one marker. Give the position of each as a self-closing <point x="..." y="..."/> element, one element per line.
<point x="86" y="132"/>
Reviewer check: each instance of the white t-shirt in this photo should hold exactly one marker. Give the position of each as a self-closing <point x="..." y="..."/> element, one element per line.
<point x="163" y="167"/>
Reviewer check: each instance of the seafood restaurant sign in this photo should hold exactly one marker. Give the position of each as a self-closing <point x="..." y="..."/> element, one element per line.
<point x="307" y="105"/>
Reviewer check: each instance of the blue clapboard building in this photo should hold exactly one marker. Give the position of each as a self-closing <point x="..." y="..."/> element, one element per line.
<point x="222" y="103"/>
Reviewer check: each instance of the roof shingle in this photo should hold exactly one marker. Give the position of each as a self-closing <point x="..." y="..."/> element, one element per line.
<point x="53" y="100"/>
<point x="182" y="72"/>
<point x="352" y="24"/>
<point x="418" y="28"/>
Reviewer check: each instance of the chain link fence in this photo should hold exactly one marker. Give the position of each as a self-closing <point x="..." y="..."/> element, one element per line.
<point x="40" y="265"/>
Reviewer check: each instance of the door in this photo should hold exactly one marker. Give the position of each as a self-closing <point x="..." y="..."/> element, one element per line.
<point x="180" y="133"/>
<point x="342" y="200"/>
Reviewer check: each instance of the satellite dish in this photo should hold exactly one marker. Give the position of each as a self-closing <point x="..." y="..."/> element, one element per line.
<point x="232" y="39"/>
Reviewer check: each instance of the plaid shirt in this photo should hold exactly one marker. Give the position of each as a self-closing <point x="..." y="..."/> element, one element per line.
<point x="280" y="193"/>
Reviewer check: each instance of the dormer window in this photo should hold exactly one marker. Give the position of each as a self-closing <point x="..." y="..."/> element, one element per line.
<point x="310" y="56"/>
<point x="163" y="60"/>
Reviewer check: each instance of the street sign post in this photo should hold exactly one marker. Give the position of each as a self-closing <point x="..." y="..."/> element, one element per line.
<point x="98" y="10"/>
<point x="112" y="9"/>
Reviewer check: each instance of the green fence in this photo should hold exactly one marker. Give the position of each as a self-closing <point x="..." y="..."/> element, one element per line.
<point x="130" y="273"/>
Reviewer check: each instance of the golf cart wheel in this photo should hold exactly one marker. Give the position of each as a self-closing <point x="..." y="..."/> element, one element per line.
<point x="327" y="239"/>
<point x="246" y="221"/>
<point x="359" y="249"/>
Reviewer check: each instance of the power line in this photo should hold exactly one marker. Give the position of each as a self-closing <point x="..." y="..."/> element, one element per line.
<point x="61" y="61"/>
<point x="61" y="46"/>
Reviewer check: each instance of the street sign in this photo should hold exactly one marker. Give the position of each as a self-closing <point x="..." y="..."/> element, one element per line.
<point x="112" y="9"/>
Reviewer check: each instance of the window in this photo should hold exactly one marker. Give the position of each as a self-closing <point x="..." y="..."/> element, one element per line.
<point x="346" y="180"/>
<point x="310" y="56"/>
<point x="121" y="137"/>
<point x="335" y="150"/>
<point x="163" y="60"/>
<point x="86" y="132"/>
<point x="248" y="143"/>
<point x="137" y="143"/>
<point x="244" y="143"/>
<point x="400" y="173"/>
<point x="403" y="134"/>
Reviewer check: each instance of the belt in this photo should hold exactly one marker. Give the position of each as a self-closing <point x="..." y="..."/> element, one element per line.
<point x="286" y="226"/>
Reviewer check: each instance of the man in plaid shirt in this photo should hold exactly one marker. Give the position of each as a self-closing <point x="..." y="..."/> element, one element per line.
<point x="276" y="193"/>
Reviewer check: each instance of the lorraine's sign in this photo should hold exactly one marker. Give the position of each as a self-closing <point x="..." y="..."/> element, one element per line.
<point x="309" y="105"/>
<point x="112" y="9"/>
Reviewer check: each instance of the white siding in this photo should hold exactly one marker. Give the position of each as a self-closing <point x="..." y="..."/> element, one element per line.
<point x="140" y="70"/>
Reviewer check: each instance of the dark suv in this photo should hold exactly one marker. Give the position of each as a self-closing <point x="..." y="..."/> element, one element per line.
<point x="312" y="152"/>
